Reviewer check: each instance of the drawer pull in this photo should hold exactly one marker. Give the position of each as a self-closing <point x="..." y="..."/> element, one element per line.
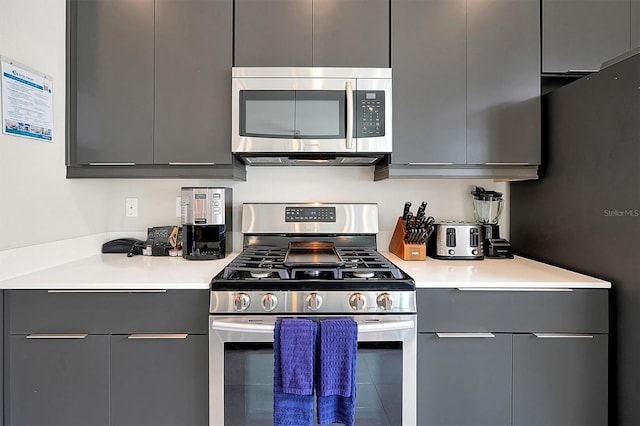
<point x="179" y="163"/>
<point x="107" y="291"/>
<point x="140" y="336"/>
<point x="465" y="335"/>
<point x="512" y="289"/>
<point x="562" y="336"/>
<point x="112" y="164"/>
<point x="56" y="336"/>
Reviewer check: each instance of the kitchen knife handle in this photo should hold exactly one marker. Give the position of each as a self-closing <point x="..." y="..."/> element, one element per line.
<point x="421" y="209"/>
<point x="405" y="212"/>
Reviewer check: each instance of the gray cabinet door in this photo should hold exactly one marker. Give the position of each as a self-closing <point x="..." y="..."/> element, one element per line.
<point x="635" y="24"/>
<point x="428" y="57"/>
<point x="579" y="35"/>
<point x="58" y="381"/>
<point x="114" y="78"/>
<point x="193" y="54"/>
<point x="464" y="380"/>
<point x="353" y="33"/>
<point x="273" y="33"/>
<point x="159" y="381"/>
<point x="503" y="92"/>
<point x="560" y="381"/>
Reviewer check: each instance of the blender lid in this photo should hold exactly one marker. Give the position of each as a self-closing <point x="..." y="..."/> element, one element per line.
<point x="481" y="194"/>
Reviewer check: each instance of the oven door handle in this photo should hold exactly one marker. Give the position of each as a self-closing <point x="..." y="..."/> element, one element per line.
<point x="366" y="327"/>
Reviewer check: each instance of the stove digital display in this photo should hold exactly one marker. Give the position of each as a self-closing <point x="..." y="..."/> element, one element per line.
<point x="310" y="214"/>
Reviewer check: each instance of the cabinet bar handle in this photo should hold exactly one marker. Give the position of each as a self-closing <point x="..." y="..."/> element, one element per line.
<point x="56" y="336"/>
<point x="349" y="90"/>
<point x="562" y="336"/>
<point x="178" y="163"/>
<point x="430" y="164"/>
<point x="581" y="71"/>
<point x="141" y="336"/>
<point x="506" y="164"/>
<point x="513" y="289"/>
<point x="462" y="335"/>
<point x="112" y="164"/>
<point x="108" y="291"/>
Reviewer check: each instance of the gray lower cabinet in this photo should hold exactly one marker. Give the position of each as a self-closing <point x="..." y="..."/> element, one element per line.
<point x="491" y="357"/>
<point x="635" y="24"/>
<point x="159" y="380"/>
<point x="560" y="380"/>
<point x="113" y="358"/>
<point x="464" y="381"/>
<point x="468" y="98"/>
<point x="304" y="33"/>
<point x="58" y="381"/>
<point x="579" y="35"/>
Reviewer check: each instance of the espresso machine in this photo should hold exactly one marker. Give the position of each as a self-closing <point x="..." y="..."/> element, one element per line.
<point x="487" y="208"/>
<point x="206" y="218"/>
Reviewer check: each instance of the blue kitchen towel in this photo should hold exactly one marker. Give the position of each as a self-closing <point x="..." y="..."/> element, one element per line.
<point x="336" y="387"/>
<point x="293" y="353"/>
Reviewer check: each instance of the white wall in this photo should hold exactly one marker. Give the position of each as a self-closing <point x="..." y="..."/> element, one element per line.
<point x="39" y="205"/>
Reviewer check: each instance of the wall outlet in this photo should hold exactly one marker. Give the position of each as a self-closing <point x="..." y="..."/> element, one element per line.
<point x="131" y="207"/>
<point x="178" y="206"/>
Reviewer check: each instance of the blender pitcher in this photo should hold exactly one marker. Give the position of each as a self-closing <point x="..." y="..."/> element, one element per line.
<point x="487" y="205"/>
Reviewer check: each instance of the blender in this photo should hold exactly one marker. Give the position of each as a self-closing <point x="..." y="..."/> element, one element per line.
<point x="487" y="208"/>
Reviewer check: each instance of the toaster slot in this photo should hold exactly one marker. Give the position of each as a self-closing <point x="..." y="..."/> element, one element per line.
<point x="451" y="237"/>
<point x="474" y="237"/>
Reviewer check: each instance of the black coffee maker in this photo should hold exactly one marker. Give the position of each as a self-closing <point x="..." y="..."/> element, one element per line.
<point x="487" y="208"/>
<point x="206" y="219"/>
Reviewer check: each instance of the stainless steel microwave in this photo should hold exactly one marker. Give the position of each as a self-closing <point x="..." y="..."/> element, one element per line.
<point x="300" y="116"/>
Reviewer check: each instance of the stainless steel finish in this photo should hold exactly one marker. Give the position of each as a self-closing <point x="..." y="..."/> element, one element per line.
<point x="57" y="336"/>
<point x="109" y="291"/>
<point x="143" y="336"/>
<point x="384" y="301"/>
<point x="357" y="301"/>
<point x="463" y="248"/>
<point x="349" y="90"/>
<point x="582" y="71"/>
<point x="269" y="302"/>
<point x="313" y="301"/>
<point x="512" y="289"/>
<point x="309" y="78"/>
<point x="178" y="163"/>
<point x="112" y="164"/>
<point x="430" y="164"/>
<point x="269" y="218"/>
<point x="394" y="328"/>
<point x="241" y="302"/>
<point x="562" y="336"/>
<point x="225" y="302"/>
<point x="204" y="205"/>
<point x="465" y="335"/>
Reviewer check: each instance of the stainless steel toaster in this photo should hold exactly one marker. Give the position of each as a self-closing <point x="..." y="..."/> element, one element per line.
<point x="456" y="240"/>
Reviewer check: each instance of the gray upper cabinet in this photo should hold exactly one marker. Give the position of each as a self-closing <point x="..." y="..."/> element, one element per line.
<point x="351" y="33"/>
<point x="466" y="87"/>
<point x="274" y="33"/>
<point x="503" y="82"/>
<point x="304" y="33"/>
<point x="114" y="74"/>
<point x="579" y="35"/>
<point x="193" y="54"/>
<point x="635" y="23"/>
<point x="428" y="56"/>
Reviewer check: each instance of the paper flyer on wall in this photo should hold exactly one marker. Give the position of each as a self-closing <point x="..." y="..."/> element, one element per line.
<point x="27" y="101"/>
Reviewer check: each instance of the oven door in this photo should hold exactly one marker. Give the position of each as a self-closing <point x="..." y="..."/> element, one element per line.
<point x="241" y="370"/>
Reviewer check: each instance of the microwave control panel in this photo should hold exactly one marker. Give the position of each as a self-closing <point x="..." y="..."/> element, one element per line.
<point x="369" y="106"/>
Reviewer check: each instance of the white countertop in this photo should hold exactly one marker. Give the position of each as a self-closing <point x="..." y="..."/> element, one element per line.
<point x="119" y="272"/>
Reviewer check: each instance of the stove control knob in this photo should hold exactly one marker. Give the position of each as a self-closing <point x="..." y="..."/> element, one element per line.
<point x="357" y="301"/>
<point x="314" y="301"/>
<point x="384" y="301"/>
<point x="269" y="302"/>
<point x="241" y="302"/>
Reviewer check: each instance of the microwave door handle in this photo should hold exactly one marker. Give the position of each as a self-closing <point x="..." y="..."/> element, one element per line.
<point x="349" y="90"/>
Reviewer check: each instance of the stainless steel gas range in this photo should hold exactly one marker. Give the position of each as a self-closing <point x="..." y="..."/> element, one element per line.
<point x="312" y="260"/>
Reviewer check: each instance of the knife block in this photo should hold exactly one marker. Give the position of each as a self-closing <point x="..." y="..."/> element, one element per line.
<point x="402" y="249"/>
